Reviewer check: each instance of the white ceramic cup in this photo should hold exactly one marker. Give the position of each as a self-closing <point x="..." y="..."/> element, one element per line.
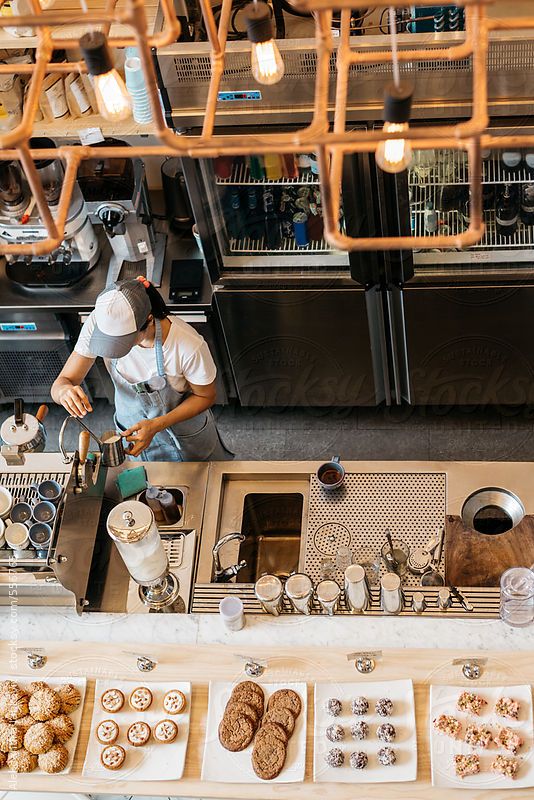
<point x="17" y="536"/>
<point x="2" y="532"/>
<point x="6" y="502"/>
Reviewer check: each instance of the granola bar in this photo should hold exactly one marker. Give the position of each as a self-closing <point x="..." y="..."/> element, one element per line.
<point x="448" y="725"/>
<point x="466" y="765"/>
<point x="471" y="703"/>
<point x="508" y="739"/>
<point x="506" y="707"/>
<point x="505" y="766"/>
<point x="478" y="736"/>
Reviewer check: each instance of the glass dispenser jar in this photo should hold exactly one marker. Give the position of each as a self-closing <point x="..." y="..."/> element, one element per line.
<point x="132" y="527"/>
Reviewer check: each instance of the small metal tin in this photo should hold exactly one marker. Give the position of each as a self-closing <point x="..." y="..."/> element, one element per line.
<point x="444" y="598"/>
<point x="328" y="594"/>
<point x="299" y="590"/>
<point x="418" y="602"/>
<point x="269" y="590"/>
<point x="391" y="597"/>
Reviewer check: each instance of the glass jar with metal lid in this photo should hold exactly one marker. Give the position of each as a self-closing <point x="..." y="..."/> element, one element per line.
<point x="132" y="527"/>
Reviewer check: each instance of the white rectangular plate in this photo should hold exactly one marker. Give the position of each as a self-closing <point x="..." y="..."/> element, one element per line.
<point x="444" y="748"/>
<point x="223" y="766"/>
<point x="154" y="761"/>
<point x="403" y="718"/>
<point x="76" y="716"/>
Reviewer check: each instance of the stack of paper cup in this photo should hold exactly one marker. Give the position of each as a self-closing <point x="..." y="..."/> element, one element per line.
<point x="135" y="83"/>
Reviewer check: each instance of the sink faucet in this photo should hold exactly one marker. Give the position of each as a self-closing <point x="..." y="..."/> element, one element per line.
<point x="224" y="575"/>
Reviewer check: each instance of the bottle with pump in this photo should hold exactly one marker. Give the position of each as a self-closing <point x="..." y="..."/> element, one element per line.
<point x="507" y="213"/>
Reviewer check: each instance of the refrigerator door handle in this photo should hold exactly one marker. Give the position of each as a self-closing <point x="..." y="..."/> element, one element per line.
<point x="374" y="299"/>
<point x="399" y="349"/>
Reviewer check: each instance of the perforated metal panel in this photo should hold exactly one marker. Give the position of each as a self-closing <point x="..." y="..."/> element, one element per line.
<point x="173" y="544"/>
<point x="411" y="505"/>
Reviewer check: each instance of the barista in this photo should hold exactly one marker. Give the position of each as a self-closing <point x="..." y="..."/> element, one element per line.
<point x="162" y="371"/>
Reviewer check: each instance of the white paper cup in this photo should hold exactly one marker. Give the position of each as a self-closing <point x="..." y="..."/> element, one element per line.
<point x="232" y="613"/>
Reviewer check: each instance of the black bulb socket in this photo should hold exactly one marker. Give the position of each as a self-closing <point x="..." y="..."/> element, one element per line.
<point x="258" y="21"/>
<point x="96" y="53"/>
<point x="398" y="103"/>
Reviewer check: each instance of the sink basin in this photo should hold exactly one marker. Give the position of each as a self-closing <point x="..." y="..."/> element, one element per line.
<point x="272" y="524"/>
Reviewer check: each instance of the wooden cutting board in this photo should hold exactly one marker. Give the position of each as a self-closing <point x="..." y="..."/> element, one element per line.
<point x="478" y="559"/>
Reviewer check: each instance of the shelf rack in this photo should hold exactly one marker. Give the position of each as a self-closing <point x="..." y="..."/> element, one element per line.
<point x="256" y="247"/>
<point x="522" y="239"/>
<point x="241" y="177"/>
<point x="450" y="168"/>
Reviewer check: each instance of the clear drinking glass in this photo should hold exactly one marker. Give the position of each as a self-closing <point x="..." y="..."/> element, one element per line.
<point x="343" y="558"/>
<point x="517" y="597"/>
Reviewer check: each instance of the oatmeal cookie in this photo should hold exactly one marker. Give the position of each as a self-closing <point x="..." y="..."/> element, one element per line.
<point x="244" y="709"/>
<point x="39" y="738"/>
<point x="21" y="761"/>
<point x="252" y="697"/>
<point x="271" y="729"/>
<point x="70" y="698"/>
<point x="11" y="737"/>
<point x="55" y="759"/>
<point x="286" y="698"/>
<point x="36" y="686"/>
<point x="268" y="759"/>
<point x="24" y="722"/>
<point x="63" y="728"/>
<point x="44" y="704"/>
<point x="13" y="704"/>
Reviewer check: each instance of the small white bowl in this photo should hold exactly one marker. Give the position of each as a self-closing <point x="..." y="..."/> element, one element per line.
<point x="6" y="502"/>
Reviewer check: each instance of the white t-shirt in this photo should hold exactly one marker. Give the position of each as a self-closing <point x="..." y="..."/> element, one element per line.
<point x="186" y="356"/>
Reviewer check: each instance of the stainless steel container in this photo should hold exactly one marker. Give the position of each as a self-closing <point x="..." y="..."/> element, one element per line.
<point x="328" y="594"/>
<point x="23" y="433"/>
<point x="299" y="590"/>
<point x="270" y="592"/>
<point x="444" y="598"/>
<point x="418" y="602"/>
<point x="357" y="595"/>
<point x="391" y="597"/>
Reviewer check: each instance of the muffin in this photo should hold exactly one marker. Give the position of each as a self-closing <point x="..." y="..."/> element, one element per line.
<point x="62" y="727"/>
<point x="11" y="737"/>
<point x="44" y="704"/>
<point x="39" y="738"/>
<point x="55" y="760"/>
<point x="21" y="761"/>
<point x="70" y="698"/>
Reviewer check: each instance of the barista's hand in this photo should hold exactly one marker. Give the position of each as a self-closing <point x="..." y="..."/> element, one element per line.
<point x="140" y="435"/>
<point x="74" y="400"/>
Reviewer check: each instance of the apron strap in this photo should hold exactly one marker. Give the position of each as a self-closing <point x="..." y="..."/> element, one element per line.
<point x="158" y="347"/>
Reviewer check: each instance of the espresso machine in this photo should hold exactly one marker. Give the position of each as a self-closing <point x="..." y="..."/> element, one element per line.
<point x="20" y="223"/>
<point x="116" y="195"/>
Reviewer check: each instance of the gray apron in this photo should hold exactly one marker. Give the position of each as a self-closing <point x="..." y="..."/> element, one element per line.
<point x="195" y="439"/>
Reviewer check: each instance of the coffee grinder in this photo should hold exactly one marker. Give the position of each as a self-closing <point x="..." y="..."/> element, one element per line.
<point x="20" y="223"/>
<point x="116" y="195"/>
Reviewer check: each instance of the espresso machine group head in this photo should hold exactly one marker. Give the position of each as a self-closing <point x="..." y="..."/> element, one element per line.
<point x="116" y="196"/>
<point x="20" y="223"/>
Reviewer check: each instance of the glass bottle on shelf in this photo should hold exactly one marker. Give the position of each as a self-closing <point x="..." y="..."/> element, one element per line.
<point x="253" y="223"/>
<point x="233" y="216"/>
<point x="290" y="166"/>
<point x="287" y="209"/>
<point x="273" y="166"/>
<point x="507" y="212"/>
<point x="488" y="196"/>
<point x="511" y="162"/>
<point x="430" y="217"/>
<point x="256" y="168"/>
<point x="529" y="161"/>
<point x="272" y="228"/>
<point x="527" y="204"/>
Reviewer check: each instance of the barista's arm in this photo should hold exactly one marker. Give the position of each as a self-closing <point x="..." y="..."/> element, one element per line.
<point x="66" y="390"/>
<point x="142" y="433"/>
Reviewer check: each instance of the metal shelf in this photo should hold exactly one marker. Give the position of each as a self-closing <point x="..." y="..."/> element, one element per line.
<point x="450" y="169"/>
<point x="241" y="177"/>
<point x="256" y="247"/>
<point x="522" y="239"/>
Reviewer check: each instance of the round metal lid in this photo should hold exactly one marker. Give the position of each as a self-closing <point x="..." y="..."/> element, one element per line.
<point x="130" y="521"/>
<point x="19" y="434"/>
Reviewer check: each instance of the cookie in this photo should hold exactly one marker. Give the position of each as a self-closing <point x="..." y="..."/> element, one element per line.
<point x="358" y="760"/>
<point x="13" y="704"/>
<point x="26" y="722"/>
<point x="249" y="686"/>
<point x="62" y="727"/>
<point x="360" y="705"/>
<point x="138" y="734"/>
<point x="386" y="756"/>
<point x="166" y="731"/>
<point x="39" y="738"/>
<point x="384" y="707"/>
<point x="271" y="729"/>
<point x="335" y="733"/>
<point x="21" y="761"/>
<point x="359" y="730"/>
<point x="107" y="731"/>
<point x="112" y="700"/>
<point x="11" y="737"/>
<point x="238" y="707"/>
<point x="335" y="757"/>
<point x="70" y="698"/>
<point x="44" y="704"/>
<point x="112" y="756"/>
<point x="54" y="760"/>
<point x="286" y="698"/>
<point x="174" y="702"/>
<point x="386" y="732"/>
<point x="236" y="732"/>
<point x="140" y="699"/>
<point x="268" y="759"/>
<point x="333" y="707"/>
<point x="280" y="716"/>
<point x="252" y="697"/>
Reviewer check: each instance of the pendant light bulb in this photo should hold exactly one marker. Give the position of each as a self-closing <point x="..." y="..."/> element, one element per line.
<point x="395" y="155"/>
<point x="112" y="97"/>
<point x="266" y="63"/>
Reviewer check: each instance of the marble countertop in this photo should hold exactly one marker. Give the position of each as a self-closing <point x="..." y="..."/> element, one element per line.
<point x="358" y="633"/>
